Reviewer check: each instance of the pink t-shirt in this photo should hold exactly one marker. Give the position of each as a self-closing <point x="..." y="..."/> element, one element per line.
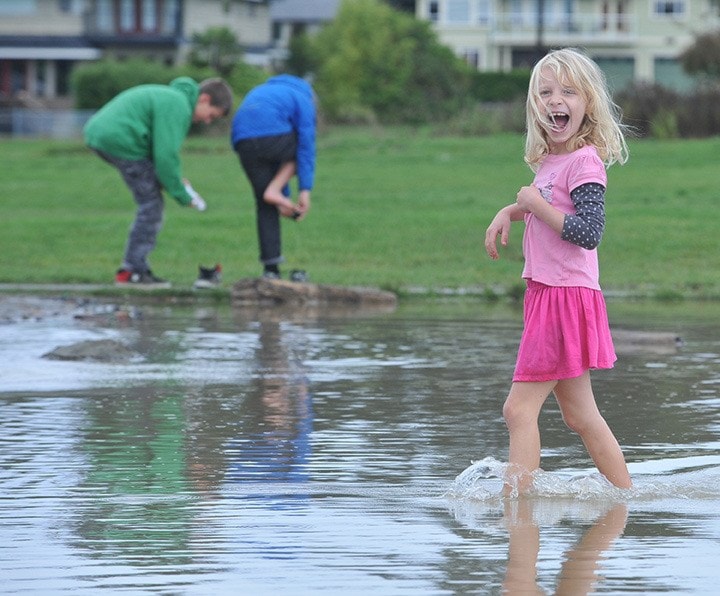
<point x="549" y="259"/>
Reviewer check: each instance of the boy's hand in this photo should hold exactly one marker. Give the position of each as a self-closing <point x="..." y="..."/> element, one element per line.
<point x="197" y="201"/>
<point x="303" y="205"/>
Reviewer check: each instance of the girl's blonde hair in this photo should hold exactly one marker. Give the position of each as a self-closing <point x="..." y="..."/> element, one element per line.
<point x="601" y="127"/>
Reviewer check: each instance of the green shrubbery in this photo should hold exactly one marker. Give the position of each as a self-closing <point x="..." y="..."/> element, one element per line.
<point x="375" y="64"/>
<point x="500" y="86"/>
<point x="97" y="83"/>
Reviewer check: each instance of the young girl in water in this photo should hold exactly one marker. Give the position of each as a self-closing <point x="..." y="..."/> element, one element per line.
<point x="573" y="134"/>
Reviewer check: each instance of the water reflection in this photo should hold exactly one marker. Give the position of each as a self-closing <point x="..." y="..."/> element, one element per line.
<point x="310" y="452"/>
<point x="272" y="443"/>
<point x="135" y="464"/>
<point x="579" y="571"/>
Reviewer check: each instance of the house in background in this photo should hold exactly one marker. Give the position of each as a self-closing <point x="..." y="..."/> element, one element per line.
<point x="632" y="40"/>
<point x="291" y="18"/>
<point x="41" y="41"/>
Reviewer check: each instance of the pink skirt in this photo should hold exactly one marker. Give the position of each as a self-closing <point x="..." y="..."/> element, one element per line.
<point x="566" y="333"/>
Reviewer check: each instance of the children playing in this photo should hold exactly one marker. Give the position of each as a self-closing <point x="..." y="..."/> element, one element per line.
<point x="273" y="133"/>
<point x="140" y="133"/>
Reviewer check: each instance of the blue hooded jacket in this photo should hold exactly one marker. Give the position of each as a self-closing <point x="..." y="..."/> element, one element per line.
<point x="282" y="104"/>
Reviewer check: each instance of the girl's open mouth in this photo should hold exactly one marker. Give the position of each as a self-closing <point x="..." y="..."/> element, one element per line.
<point x="559" y="121"/>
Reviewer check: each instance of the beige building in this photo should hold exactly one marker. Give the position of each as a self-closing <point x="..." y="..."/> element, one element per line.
<point x="297" y="17"/>
<point x="41" y="41"/>
<point x="633" y="40"/>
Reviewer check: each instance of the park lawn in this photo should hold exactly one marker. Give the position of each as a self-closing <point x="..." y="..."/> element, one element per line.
<point x="396" y="208"/>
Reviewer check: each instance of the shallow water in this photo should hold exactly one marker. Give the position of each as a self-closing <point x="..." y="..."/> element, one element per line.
<point x="270" y="452"/>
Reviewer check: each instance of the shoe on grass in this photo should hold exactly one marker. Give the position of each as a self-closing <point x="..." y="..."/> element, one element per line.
<point x="299" y="275"/>
<point x="144" y="279"/>
<point x="208" y="277"/>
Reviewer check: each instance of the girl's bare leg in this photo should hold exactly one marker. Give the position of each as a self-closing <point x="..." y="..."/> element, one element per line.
<point x="580" y="412"/>
<point x="274" y="192"/>
<point x="521" y="411"/>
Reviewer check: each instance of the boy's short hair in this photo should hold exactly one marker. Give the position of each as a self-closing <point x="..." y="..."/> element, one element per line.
<point x="221" y="95"/>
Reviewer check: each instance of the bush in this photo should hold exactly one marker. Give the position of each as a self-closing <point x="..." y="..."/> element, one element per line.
<point x="244" y="77"/>
<point x="655" y="111"/>
<point x="500" y="86"/>
<point x="97" y="83"/>
<point x="700" y="114"/>
<point x="642" y="104"/>
<point x="486" y="119"/>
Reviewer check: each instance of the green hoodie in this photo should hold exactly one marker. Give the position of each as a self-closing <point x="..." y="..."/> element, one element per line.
<point x="148" y="122"/>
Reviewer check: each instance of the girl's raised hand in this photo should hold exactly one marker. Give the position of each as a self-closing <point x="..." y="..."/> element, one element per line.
<point x="527" y="196"/>
<point x="500" y="226"/>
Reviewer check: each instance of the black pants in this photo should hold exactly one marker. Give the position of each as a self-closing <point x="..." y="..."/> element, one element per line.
<point x="261" y="159"/>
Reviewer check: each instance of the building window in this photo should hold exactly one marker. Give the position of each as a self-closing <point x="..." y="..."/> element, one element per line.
<point x="458" y="11"/>
<point x="149" y="21"/>
<point x="169" y="11"/>
<point x="484" y="11"/>
<point x="471" y="58"/>
<point x="518" y="15"/>
<point x="127" y="15"/>
<point x="669" y="8"/>
<point x="669" y="73"/>
<point x="18" y="8"/>
<point x="104" y="16"/>
<point x="619" y="72"/>
<point x="63" y="72"/>
<point x="70" y="6"/>
<point x="131" y="17"/>
<point x="434" y="11"/>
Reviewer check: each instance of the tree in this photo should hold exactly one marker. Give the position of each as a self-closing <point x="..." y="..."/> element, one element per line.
<point x="404" y="5"/>
<point x="217" y="48"/>
<point x="703" y="56"/>
<point x="374" y="61"/>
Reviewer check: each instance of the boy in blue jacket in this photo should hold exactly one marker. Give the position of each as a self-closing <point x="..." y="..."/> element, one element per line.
<point x="273" y="133"/>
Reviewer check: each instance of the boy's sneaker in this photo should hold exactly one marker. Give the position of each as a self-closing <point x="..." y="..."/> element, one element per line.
<point x="299" y="275"/>
<point x="146" y="279"/>
<point x="271" y="275"/>
<point x="122" y="277"/>
<point x="208" y="277"/>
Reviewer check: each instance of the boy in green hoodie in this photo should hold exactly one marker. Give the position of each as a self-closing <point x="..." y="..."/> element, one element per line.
<point x="140" y="133"/>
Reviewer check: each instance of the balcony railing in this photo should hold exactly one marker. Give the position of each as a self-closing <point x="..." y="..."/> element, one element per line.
<point x="556" y="28"/>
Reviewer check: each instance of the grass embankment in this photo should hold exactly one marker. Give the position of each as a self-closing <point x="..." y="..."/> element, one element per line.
<point x="392" y="208"/>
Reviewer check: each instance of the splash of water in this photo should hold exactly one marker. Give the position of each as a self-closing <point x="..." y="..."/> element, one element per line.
<point x="483" y="481"/>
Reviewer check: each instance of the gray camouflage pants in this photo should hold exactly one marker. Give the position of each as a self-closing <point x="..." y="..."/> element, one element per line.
<point x="140" y="178"/>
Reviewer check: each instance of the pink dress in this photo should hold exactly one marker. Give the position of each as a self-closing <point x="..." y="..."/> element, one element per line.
<point x="566" y="330"/>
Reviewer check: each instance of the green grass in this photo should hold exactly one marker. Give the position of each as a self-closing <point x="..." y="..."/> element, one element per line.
<point x="392" y="208"/>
